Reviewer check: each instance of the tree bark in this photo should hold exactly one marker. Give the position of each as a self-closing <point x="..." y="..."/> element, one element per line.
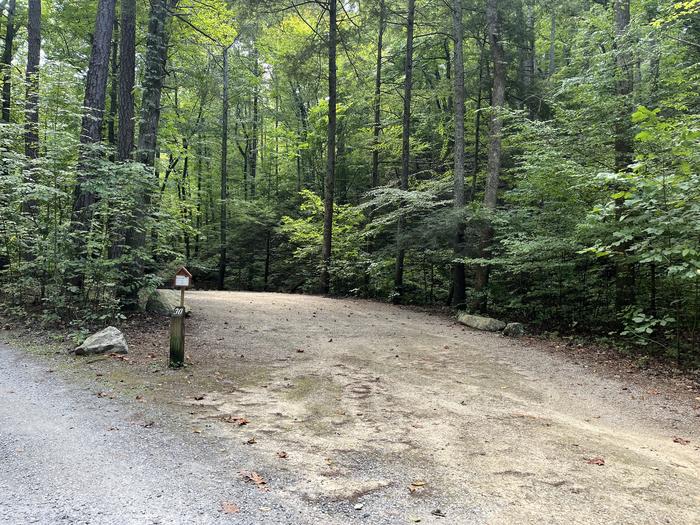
<point x="154" y="75"/>
<point x="329" y="184"/>
<point x="378" y="95"/>
<point x="152" y="85"/>
<point x="405" y="149"/>
<point x="6" y="64"/>
<point x="114" y="88"/>
<point x="223" y="230"/>
<point x="459" y="279"/>
<point x="527" y="61"/>
<point x="477" y="120"/>
<point x="493" y="23"/>
<point x="93" y="110"/>
<point x="31" y="134"/>
<point x="254" y="127"/>
<point x="127" y="66"/>
<point x="186" y="216"/>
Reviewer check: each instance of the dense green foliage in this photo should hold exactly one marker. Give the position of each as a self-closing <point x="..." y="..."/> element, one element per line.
<point x="583" y="242"/>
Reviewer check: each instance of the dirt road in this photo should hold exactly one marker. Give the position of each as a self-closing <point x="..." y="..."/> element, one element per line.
<point x="368" y="413"/>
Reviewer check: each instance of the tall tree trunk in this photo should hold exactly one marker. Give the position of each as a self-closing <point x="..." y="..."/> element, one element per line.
<point x="223" y="230"/>
<point x="341" y="173"/>
<point x="459" y="279"/>
<point x="152" y="86"/>
<point x="552" y="41"/>
<point x="406" y="149"/>
<point x="125" y="104"/>
<point x="6" y="64"/>
<point x="378" y="95"/>
<point x="186" y="216"/>
<point x="254" y="127"/>
<point x="477" y="123"/>
<point x="527" y="61"/>
<point x="31" y="105"/>
<point x="154" y="75"/>
<point x="31" y="134"/>
<point x="198" y="219"/>
<point x="493" y="23"/>
<point x="5" y="69"/>
<point x="93" y="112"/>
<point x="127" y="66"/>
<point x="624" y="83"/>
<point x="114" y="88"/>
<point x="330" y="169"/>
<point x="277" y="143"/>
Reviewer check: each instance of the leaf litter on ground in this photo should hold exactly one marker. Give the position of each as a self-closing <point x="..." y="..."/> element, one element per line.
<point x="253" y="477"/>
<point x="230" y="508"/>
<point x="240" y="421"/>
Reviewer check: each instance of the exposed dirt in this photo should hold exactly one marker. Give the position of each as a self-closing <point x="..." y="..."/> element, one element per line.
<point x="409" y="415"/>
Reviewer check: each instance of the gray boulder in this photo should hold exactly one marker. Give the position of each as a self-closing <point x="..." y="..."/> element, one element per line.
<point x="109" y="340"/>
<point x="514" y="330"/>
<point x="486" y="324"/>
<point x="164" y="302"/>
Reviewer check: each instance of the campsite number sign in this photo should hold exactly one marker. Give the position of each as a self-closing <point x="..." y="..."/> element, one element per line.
<point x="183" y="280"/>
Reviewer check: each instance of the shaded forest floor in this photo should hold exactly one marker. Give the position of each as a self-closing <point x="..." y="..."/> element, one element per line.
<point x="382" y="414"/>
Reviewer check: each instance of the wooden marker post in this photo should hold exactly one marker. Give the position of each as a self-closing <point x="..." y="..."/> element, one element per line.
<point x="177" y="338"/>
<point x="183" y="280"/>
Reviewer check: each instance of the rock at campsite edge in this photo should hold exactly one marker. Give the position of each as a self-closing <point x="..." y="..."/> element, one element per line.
<point x="487" y="324"/>
<point x="109" y="340"/>
<point x="514" y="330"/>
<point x="164" y="301"/>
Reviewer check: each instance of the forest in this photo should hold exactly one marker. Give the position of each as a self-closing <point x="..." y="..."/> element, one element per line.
<point x="535" y="161"/>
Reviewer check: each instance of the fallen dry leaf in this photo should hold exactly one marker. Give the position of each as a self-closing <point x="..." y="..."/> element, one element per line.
<point x="416" y="485"/>
<point x="251" y="441"/>
<point x="681" y="441"/>
<point x="596" y="461"/>
<point x="300" y="350"/>
<point x="199" y="397"/>
<point x="197" y="431"/>
<point x="230" y="508"/>
<point x="282" y="454"/>
<point x="240" y="421"/>
<point x="254" y="477"/>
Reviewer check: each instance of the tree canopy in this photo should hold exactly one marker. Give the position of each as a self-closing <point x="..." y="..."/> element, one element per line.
<point x="535" y="160"/>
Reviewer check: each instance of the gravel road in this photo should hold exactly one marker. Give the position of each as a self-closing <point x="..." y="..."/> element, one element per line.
<point x="353" y="412"/>
<point x="69" y="456"/>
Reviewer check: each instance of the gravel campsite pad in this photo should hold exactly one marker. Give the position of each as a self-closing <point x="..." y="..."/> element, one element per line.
<point x="370" y="413"/>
